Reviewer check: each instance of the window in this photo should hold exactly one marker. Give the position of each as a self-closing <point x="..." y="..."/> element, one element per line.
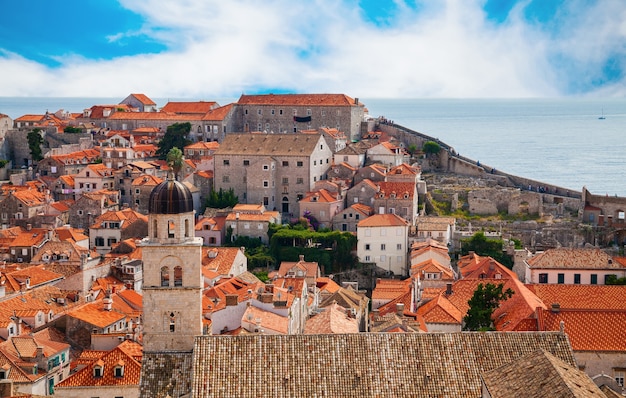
<point x="226" y="162"/>
<point x="3" y="374"/>
<point x="259" y="112"/>
<point x="285" y="163"/>
<point x="609" y="277"/>
<point x="315" y="163"/>
<point x="178" y="276"/>
<point x="594" y="279"/>
<point x="619" y="377"/>
<point x="97" y="371"/>
<point x="299" y="163"/>
<point x="266" y="184"/>
<point x="383" y="246"/>
<point x="383" y="258"/>
<point x="543" y="278"/>
<point x="561" y="278"/>
<point x="118" y="371"/>
<point x="99" y="241"/>
<point x="577" y="279"/>
<point x="266" y="201"/>
<point x="399" y="246"/>
<point x="368" y="259"/>
<point x="367" y="246"/>
<point x="165" y="276"/>
<point x="246" y="163"/>
<point x="285" y="180"/>
<point x="172" y="322"/>
<point x="299" y="180"/>
<point x="266" y="167"/>
<point x="225" y="178"/>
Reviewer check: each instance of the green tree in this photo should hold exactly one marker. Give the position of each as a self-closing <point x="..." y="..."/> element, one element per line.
<point x="34" y="144"/>
<point x="482" y="246"/>
<point x="175" y="136"/>
<point x="175" y="160"/>
<point x="411" y="149"/>
<point x="614" y="280"/>
<point x="482" y="305"/>
<point x="222" y="199"/>
<point x="72" y="130"/>
<point x="431" y="147"/>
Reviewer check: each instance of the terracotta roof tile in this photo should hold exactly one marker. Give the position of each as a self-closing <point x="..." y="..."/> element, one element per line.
<point x="383" y="220"/>
<point x="334" y="319"/>
<point x="573" y="258"/>
<point x="297" y="100"/>
<point x="358" y="364"/>
<point x="198" y="107"/>
<point x="539" y="374"/>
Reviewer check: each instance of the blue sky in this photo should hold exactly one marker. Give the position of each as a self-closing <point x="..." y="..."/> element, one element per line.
<point x="367" y="48"/>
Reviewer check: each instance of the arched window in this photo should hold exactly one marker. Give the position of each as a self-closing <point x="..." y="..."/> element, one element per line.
<point x="154" y="229"/>
<point x="165" y="276"/>
<point x="178" y="276"/>
<point x="172" y="322"/>
<point x="186" y="228"/>
<point x="171" y="227"/>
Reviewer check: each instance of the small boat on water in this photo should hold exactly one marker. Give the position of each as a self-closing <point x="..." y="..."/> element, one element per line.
<point x="602" y="116"/>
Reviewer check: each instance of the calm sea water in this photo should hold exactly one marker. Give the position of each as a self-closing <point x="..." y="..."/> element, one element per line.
<point x="557" y="141"/>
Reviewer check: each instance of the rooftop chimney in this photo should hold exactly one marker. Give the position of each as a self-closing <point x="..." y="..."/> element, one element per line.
<point x="448" y="289"/>
<point x="400" y="309"/>
<point x="108" y="303"/>
<point x="302" y="257"/>
<point x="232" y="299"/>
<point x="556" y="308"/>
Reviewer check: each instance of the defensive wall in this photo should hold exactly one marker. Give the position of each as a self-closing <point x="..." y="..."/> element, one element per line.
<point x="451" y="162"/>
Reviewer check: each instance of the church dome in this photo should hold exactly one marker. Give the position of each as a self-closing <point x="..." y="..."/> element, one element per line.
<point x="170" y="197"/>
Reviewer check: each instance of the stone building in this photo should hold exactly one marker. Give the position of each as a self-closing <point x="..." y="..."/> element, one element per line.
<point x="290" y="113"/>
<point x="276" y="170"/>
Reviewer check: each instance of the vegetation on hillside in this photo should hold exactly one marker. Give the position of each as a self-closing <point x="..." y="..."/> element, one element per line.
<point x="488" y="247"/>
<point x="222" y="199"/>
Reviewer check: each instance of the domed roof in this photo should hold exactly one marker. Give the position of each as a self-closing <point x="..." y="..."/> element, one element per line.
<point x="170" y="197"/>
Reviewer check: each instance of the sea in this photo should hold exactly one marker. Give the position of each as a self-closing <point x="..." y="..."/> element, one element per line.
<point x="559" y="141"/>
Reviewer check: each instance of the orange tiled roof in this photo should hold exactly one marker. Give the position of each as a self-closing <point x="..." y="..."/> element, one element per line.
<point x="143" y="99"/>
<point x="326" y="284"/>
<point x="433" y="266"/>
<point x="474" y="266"/>
<point x="213" y="145"/>
<point x="154" y="116"/>
<point x="217" y="114"/>
<point x="199" y="107"/>
<point x="582" y="297"/>
<point x="266" y="320"/>
<point x="119" y="356"/>
<point x="297" y="100"/>
<point x="440" y="310"/>
<point x="95" y="314"/>
<point x="321" y="196"/>
<point x="34" y="237"/>
<point x="219" y="259"/>
<point x="390" y="288"/>
<point x="383" y="220"/>
<point x="334" y="319"/>
<point x="147" y="180"/>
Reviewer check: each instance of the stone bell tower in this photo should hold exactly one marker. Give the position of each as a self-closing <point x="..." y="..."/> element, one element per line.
<point x="172" y="271"/>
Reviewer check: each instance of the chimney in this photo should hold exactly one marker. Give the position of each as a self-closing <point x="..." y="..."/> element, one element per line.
<point x="266" y="298"/>
<point x="29" y="227"/>
<point x="448" y="289"/>
<point x="232" y="300"/>
<point x="301" y="257"/>
<point x="400" y="309"/>
<point x="108" y="303"/>
<point x="556" y="308"/>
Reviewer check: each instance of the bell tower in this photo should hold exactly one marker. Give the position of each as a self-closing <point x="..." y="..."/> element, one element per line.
<point x="172" y="271"/>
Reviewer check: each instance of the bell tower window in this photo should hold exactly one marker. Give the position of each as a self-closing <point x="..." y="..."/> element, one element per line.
<point x="186" y="228"/>
<point x="165" y="276"/>
<point x="171" y="226"/>
<point x="154" y="229"/>
<point x="178" y="276"/>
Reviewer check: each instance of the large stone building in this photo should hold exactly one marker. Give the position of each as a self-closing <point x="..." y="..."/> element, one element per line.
<point x="290" y="113"/>
<point x="276" y="170"/>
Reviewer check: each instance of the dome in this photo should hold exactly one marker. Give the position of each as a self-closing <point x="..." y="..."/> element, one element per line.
<point x="170" y="197"/>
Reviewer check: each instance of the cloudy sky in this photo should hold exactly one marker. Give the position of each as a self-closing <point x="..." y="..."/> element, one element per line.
<point x="366" y="48"/>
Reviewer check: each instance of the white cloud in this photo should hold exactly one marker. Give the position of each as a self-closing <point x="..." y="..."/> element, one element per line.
<point x="221" y="49"/>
